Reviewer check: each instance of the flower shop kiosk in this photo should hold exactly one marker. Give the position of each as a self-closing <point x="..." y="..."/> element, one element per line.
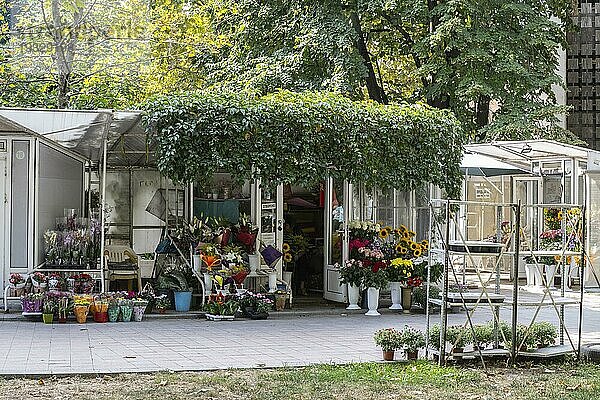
<point x="39" y="178"/>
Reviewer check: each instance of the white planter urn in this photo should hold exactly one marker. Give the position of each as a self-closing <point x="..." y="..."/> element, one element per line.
<point x="530" y="274"/>
<point x="353" y="296"/>
<point x="537" y="276"/>
<point x="254" y="261"/>
<point x="207" y="283"/>
<point x="396" y="292"/>
<point x="272" y="281"/>
<point x="197" y="262"/>
<point x="550" y="272"/>
<point x="373" y="301"/>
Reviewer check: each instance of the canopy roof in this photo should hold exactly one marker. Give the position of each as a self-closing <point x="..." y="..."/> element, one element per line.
<point x="84" y="132"/>
<point x="480" y="165"/>
<point x="523" y="153"/>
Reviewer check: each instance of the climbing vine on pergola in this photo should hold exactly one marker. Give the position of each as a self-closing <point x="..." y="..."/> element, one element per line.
<point x="301" y="138"/>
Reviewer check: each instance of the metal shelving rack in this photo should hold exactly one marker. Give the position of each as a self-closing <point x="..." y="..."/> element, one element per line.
<point x="443" y="217"/>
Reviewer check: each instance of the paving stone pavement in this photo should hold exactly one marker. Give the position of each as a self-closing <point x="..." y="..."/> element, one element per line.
<point x="32" y="348"/>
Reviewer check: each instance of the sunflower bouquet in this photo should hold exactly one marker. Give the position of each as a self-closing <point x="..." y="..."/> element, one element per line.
<point x="405" y="245"/>
<point x="294" y="248"/>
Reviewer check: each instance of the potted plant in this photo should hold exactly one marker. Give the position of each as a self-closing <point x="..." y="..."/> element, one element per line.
<point x="545" y="333"/>
<point x="219" y="309"/>
<point x="100" y="308"/>
<point x="525" y="339"/>
<point x="139" y="308"/>
<point x="54" y="282"/>
<point x="162" y="303"/>
<point x="81" y="308"/>
<point x="389" y="341"/>
<point x="17" y="282"/>
<point x="50" y="307"/>
<point x="65" y="305"/>
<point x="32" y="303"/>
<point x="280" y="299"/>
<point x="39" y="281"/>
<point x="126" y="308"/>
<point x="176" y="281"/>
<point x="459" y="336"/>
<point x="351" y="273"/>
<point x="113" y="308"/>
<point x="484" y="336"/>
<point x="434" y="337"/>
<point x="255" y="306"/>
<point x="411" y="340"/>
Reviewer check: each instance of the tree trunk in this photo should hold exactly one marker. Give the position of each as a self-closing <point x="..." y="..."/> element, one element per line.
<point x="482" y="117"/>
<point x="376" y="92"/>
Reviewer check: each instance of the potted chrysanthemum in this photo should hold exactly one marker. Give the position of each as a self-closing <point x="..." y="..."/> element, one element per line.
<point x="390" y="340"/>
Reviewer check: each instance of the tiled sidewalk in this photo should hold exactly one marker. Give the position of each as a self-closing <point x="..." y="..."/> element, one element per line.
<point x="33" y="348"/>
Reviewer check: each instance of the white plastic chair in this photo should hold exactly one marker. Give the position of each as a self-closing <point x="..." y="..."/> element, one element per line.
<point x="128" y="268"/>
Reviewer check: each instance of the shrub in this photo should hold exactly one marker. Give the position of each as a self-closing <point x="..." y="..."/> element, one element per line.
<point x="434" y="336"/>
<point x="458" y="335"/>
<point x="484" y="335"/>
<point x="411" y="339"/>
<point x="389" y="339"/>
<point x="420" y="294"/>
<point x="544" y="333"/>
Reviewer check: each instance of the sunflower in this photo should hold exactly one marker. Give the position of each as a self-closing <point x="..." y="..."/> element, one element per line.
<point x="424" y="243"/>
<point x="406" y="236"/>
<point x="557" y="258"/>
<point x="398" y="247"/>
<point x="388" y="228"/>
<point x="383" y="233"/>
<point x="413" y="246"/>
<point x="285" y="247"/>
<point x="287" y="257"/>
<point x="417" y="253"/>
<point x="560" y="215"/>
<point x="403" y="229"/>
<point x="403" y="250"/>
<point x="412" y="233"/>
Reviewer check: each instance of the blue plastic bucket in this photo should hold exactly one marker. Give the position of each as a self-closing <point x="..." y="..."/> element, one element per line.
<point x="183" y="300"/>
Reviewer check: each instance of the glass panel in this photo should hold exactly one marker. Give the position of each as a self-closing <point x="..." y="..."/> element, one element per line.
<point x="384" y="209"/>
<point x="402" y="209"/>
<point x="553" y="189"/>
<point x="594" y="229"/>
<point x="337" y="218"/>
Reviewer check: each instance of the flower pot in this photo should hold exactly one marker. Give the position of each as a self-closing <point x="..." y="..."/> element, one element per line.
<point x="550" y="272"/>
<point x="197" y="262"/>
<point x="254" y="261"/>
<point x="373" y="301"/>
<point x="113" y="314"/>
<point x="406" y="299"/>
<point x="388" y="355"/>
<point x="412" y="355"/>
<point x="280" y="302"/>
<point x="48" y="318"/>
<point x="207" y="283"/>
<point x="353" y="297"/>
<point x="126" y="312"/>
<point x="62" y="320"/>
<point x="81" y="313"/>
<point x="396" y="292"/>
<point x="457" y="350"/>
<point x="272" y="281"/>
<point x="183" y="301"/>
<point x="31" y="306"/>
<point x="53" y="284"/>
<point x="101" y="316"/>
<point x="138" y="312"/>
<point x="529" y="274"/>
<point x="161" y="310"/>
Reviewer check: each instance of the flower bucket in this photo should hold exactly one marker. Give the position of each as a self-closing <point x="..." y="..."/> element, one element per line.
<point x="280" y="302"/>
<point x="126" y="312"/>
<point x="197" y="262"/>
<point x="183" y="301"/>
<point x="396" y="295"/>
<point x="406" y="299"/>
<point x="138" y="312"/>
<point x="31" y="306"/>
<point x="81" y="313"/>
<point x="48" y="318"/>
<point x="113" y="314"/>
<point x="353" y="296"/>
<point x="254" y="261"/>
<point x="18" y="289"/>
<point x="388" y="355"/>
<point x="101" y="316"/>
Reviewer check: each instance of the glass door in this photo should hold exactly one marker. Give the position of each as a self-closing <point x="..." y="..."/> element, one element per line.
<point x="3" y="201"/>
<point x="337" y="209"/>
<point x="267" y="214"/>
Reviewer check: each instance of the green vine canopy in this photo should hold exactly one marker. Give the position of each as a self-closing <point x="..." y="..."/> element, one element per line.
<point x="300" y="138"/>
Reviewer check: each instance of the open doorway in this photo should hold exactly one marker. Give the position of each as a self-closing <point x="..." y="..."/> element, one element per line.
<point x="304" y="237"/>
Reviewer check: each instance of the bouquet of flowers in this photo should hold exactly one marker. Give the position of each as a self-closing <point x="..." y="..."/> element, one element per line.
<point x="351" y="272"/>
<point x="16" y="279"/>
<point x="363" y="229"/>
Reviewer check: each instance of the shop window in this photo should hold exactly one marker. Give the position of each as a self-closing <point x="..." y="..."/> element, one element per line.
<point x="222" y="197"/>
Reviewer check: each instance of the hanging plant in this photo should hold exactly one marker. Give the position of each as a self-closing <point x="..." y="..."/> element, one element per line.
<point x="300" y="138"/>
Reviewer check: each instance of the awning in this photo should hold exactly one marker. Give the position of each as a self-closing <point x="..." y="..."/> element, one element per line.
<point x="522" y="153"/>
<point x="84" y="132"/>
<point x="480" y="165"/>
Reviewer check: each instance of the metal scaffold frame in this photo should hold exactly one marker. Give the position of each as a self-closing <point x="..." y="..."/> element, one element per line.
<point x="445" y="225"/>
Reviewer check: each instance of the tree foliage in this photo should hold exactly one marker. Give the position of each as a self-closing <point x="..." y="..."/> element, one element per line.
<point x="300" y="138"/>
